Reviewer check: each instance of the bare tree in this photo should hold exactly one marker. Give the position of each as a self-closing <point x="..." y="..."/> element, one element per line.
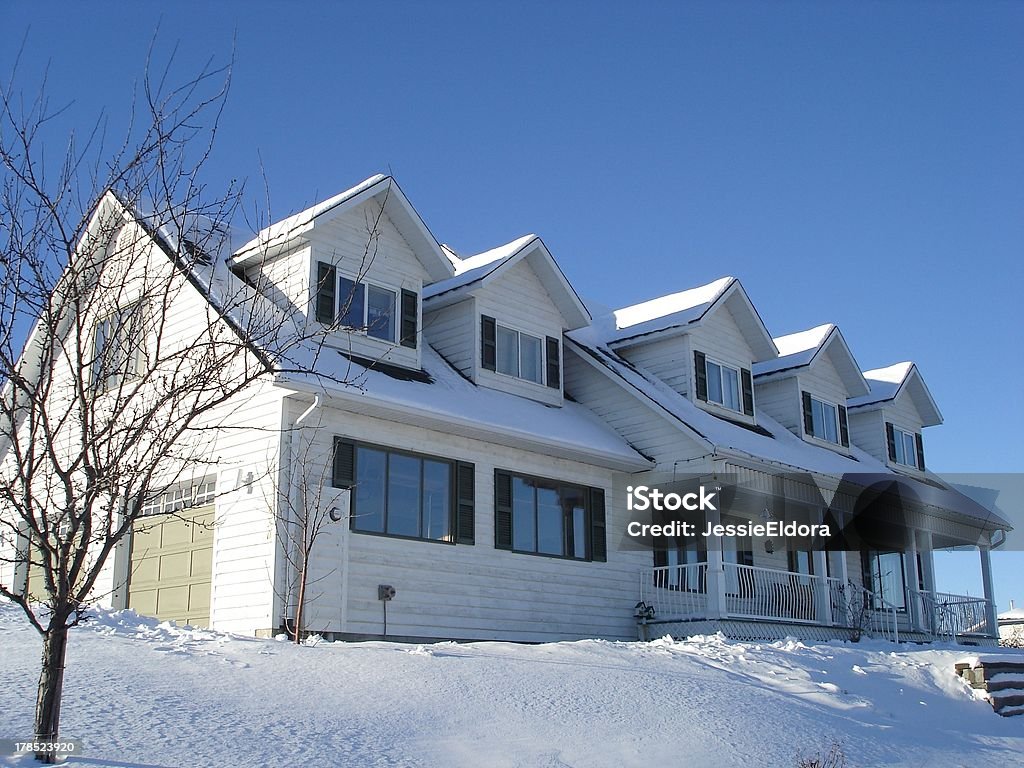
<point x="141" y="340"/>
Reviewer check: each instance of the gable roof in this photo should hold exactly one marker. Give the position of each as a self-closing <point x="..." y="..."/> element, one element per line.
<point x="277" y="238"/>
<point x="894" y="381"/>
<point x="677" y="313"/>
<point x="804" y="348"/>
<point x="475" y="272"/>
<point x="774" y="444"/>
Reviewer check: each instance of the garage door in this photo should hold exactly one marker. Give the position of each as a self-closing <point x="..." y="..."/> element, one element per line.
<point x="171" y="564"/>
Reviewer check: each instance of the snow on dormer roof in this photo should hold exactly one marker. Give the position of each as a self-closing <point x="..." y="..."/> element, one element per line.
<point x="801" y="349"/>
<point x="892" y="381"/>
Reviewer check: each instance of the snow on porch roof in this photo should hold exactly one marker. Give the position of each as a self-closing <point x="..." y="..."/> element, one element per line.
<point x="454" y="404"/>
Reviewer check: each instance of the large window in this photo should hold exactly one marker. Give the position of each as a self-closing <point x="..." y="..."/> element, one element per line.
<point x="687" y="552"/>
<point x="722" y="384"/>
<point x="517" y="353"/>
<point x="546" y="517"/>
<point x="405" y="494"/>
<point x="825" y="420"/>
<point x="379" y="312"/>
<point x="117" y="347"/>
<point x="903" y="448"/>
<point x="884" y="572"/>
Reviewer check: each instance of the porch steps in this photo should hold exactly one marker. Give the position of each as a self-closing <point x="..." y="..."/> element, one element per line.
<point x="1002" y="679"/>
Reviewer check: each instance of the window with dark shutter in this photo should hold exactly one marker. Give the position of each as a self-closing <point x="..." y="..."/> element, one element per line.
<point x="808" y="414"/>
<point x="465" y="512"/>
<point x="890" y="439"/>
<point x="410" y="310"/>
<point x="748" y="391"/>
<point x="598" y="535"/>
<point x="488" y="343"/>
<point x="701" y="372"/>
<point x="844" y="427"/>
<point x="920" y="450"/>
<point x="326" y="280"/>
<point x="502" y="510"/>
<point x="344" y="474"/>
<point x="554" y="366"/>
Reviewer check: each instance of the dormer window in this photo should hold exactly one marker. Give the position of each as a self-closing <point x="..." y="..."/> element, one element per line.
<point x="517" y="353"/>
<point x="723" y="384"/>
<point x="366" y="307"/>
<point x="825" y="421"/>
<point x="905" y="448"/>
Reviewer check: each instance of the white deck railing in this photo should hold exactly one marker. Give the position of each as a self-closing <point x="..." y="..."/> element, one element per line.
<point x="752" y="592"/>
<point x="677" y="591"/>
<point x="946" y="615"/>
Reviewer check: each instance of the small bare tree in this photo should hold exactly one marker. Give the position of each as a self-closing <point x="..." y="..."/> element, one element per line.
<point x="141" y="340"/>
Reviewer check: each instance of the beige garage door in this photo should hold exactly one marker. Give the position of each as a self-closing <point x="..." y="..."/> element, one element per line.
<point x="171" y="564"/>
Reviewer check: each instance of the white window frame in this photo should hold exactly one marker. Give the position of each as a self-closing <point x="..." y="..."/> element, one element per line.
<point x="342" y="298"/>
<point x="825" y="404"/>
<point x="188" y="495"/>
<point x="901" y="438"/>
<point x="119" y="358"/>
<point x="541" y="361"/>
<point x="737" y="390"/>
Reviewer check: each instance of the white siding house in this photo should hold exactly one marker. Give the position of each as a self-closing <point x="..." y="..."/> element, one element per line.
<point x="468" y="428"/>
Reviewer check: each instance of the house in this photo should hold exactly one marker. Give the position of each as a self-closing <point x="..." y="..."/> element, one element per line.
<point x="469" y="427"/>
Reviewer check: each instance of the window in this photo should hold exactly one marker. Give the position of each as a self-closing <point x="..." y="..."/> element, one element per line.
<point x="905" y="448"/>
<point x="825" y="421"/>
<point x="371" y="309"/>
<point x="183" y="496"/>
<point x="546" y="517"/>
<point x="884" y="572"/>
<point x="406" y="494"/>
<point x="117" y="348"/>
<point x="724" y="385"/>
<point x="673" y="577"/>
<point x="520" y="354"/>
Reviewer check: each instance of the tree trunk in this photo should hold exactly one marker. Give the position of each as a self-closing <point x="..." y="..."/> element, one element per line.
<point x="51" y="684"/>
<point x="302" y="596"/>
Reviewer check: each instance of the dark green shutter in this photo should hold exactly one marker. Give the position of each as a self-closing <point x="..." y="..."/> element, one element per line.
<point x="554" y="364"/>
<point x="701" y="370"/>
<point x="920" y="451"/>
<point x="502" y="510"/>
<point x="808" y="414"/>
<point x="598" y="536"/>
<point x="890" y="438"/>
<point x="748" y="391"/>
<point x="410" y="324"/>
<point x="326" y="280"/>
<point x="488" y="343"/>
<point x="344" y="475"/>
<point x="844" y="427"/>
<point x="465" y="511"/>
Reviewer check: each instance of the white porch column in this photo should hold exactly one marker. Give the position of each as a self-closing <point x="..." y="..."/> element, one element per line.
<point x="716" y="571"/>
<point x="912" y="581"/>
<point x="986" y="581"/>
<point x="822" y="594"/>
<point x="928" y="561"/>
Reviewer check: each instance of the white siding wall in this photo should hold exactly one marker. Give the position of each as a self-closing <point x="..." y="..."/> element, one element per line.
<point x="671" y="360"/>
<point x="470" y="591"/>
<point x="780" y="399"/>
<point x="867" y="432"/>
<point x="519" y="301"/>
<point x="453" y="332"/>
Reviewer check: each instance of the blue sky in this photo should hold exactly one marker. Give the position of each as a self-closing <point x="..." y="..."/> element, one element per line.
<point x="856" y="163"/>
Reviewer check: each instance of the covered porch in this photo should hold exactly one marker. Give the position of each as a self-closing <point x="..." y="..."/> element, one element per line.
<point x="764" y="603"/>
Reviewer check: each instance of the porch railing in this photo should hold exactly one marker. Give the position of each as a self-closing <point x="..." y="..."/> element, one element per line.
<point x="679" y="591"/>
<point x="752" y="592"/>
<point x="945" y="615"/>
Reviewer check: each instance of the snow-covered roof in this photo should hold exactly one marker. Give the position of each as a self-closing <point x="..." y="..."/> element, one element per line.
<point x="473" y="272"/>
<point x="459" y="406"/>
<point x="772" y="444"/>
<point x="804" y="348"/>
<point x="676" y="312"/>
<point x="893" y="381"/>
<point x="274" y="239"/>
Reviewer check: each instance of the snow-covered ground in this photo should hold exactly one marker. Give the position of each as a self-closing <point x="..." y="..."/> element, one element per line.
<point x="139" y="693"/>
